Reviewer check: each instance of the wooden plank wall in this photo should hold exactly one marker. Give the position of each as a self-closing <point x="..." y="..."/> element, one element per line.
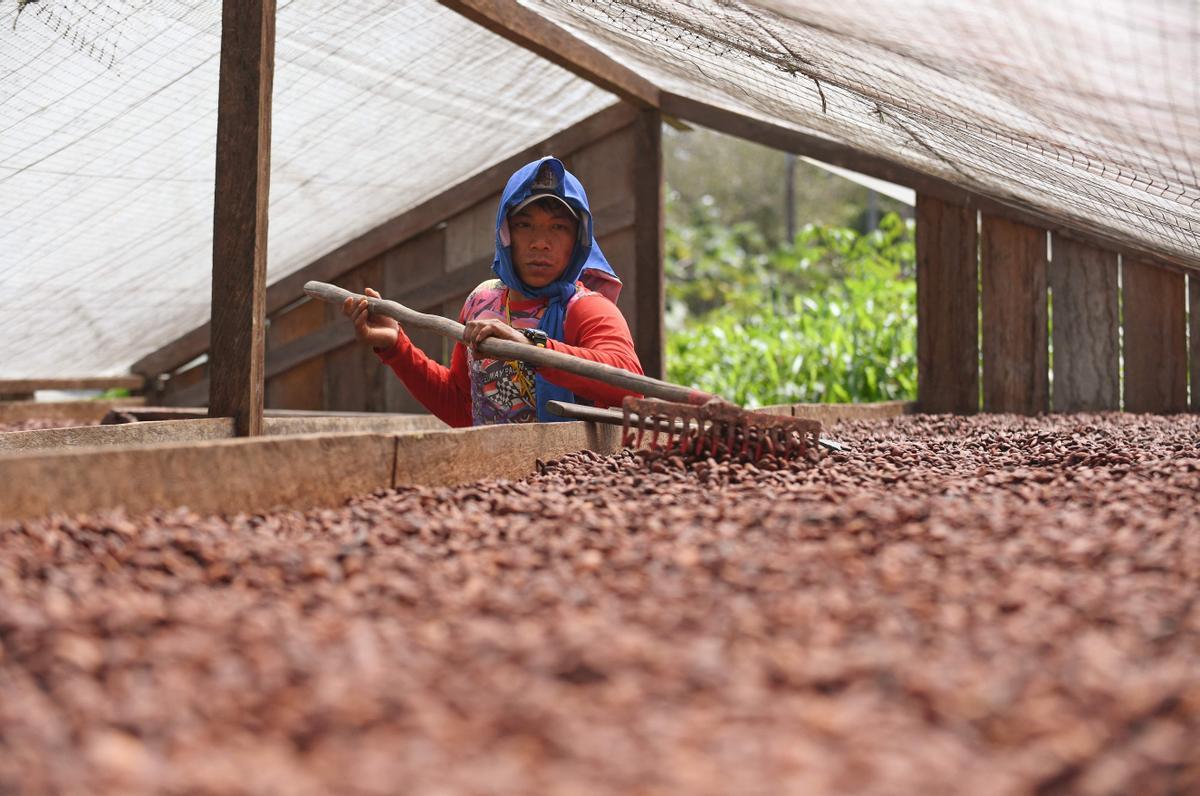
<point x="1155" y="337"/>
<point x="1194" y="337"/>
<point x="1015" y="366"/>
<point x="1086" y="321"/>
<point x="312" y="360"/>
<point x="947" y="307"/>
<point x="1093" y="297"/>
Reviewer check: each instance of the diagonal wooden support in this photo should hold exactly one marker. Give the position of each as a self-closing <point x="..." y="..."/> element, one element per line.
<point x="535" y="33"/>
<point x="240" y="213"/>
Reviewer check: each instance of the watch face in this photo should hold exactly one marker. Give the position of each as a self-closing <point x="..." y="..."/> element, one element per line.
<point x="535" y="336"/>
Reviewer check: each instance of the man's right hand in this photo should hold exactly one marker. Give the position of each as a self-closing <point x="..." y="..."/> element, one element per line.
<point x="378" y="331"/>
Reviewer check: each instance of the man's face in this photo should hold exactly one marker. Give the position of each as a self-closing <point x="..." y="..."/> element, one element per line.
<point x="542" y="243"/>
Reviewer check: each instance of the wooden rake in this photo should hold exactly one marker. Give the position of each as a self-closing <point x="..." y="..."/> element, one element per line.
<point x="677" y="418"/>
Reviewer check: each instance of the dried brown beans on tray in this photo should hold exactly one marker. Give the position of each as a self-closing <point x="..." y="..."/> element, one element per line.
<point x="982" y="605"/>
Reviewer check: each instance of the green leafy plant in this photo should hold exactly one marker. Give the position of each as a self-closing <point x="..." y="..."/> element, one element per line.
<point x="829" y="318"/>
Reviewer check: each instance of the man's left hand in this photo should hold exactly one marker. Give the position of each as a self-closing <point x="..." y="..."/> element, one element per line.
<point x="477" y="331"/>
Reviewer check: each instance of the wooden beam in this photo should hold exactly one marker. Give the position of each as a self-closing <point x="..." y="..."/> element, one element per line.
<point x="832" y="413"/>
<point x="1084" y="301"/>
<point x="947" y="306"/>
<point x="1015" y="347"/>
<point x="412" y="222"/>
<point x="137" y="414"/>
<point x="240" y="213"/>
<point x="839" y="154"/>
<point x="649" y="309"/>
<point x="200" y="429"/>
<point x="80" y="411"/>
<point x="1155" y="338"/>
<point x="248" y="474"/>
<point x="265" y="473"/>
<point x="134" y="383"/>
<point x="1194" y="337"/>
<point x="529" y="29"/>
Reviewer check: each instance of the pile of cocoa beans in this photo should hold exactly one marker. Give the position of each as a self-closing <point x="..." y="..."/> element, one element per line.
<point x="982" y="605"/>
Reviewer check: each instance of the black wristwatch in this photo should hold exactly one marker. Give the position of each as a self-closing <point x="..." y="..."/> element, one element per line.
<point x="536" y="336"/>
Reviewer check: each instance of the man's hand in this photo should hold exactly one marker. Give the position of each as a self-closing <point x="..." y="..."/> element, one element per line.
<point x="476" y="332"/>
<point x="378" y="331"/>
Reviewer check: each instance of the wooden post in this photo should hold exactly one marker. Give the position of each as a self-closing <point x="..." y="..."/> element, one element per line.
<point x="1083" y="290"/>
<point x="947" y="307"/>
<point x="240" y="213"/>
<point x="1016" y="375"/>
<point x="650" y="336"/>
<point x="1194" y="330"/>
<point x="1155" y="337"/>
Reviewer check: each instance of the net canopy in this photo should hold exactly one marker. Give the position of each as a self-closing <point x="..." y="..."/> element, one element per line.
<point x="108" y="114"/>
<point x="1083" y="112"/>
<point x="1086" y="112"/>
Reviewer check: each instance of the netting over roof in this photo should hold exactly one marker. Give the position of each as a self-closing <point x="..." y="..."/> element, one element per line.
<point x="1087" y="111"/>
<point x="107" y="152"/>
<point x="1084" y="111"/>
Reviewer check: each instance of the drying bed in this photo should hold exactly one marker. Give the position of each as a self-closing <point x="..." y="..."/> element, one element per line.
<point x="983" y="605"/>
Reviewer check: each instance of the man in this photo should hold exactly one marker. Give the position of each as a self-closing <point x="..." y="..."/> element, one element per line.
<point x="554" y="289"/>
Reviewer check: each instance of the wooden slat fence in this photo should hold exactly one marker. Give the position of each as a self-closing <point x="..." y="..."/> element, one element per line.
<point x="1092" y="310"/>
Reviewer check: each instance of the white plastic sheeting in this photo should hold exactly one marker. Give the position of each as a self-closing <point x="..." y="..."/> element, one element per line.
<point x="107" y="149"/>
<point x="1085" y="111"/>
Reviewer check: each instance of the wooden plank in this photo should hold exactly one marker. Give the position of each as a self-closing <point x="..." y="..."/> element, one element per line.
<point x="529" y="29"/>
<point x="650" y="302"/>
<point x="607" y="168"/>
<point x="1155" y="337"/>
<point x="353" y="376"/>
<point x="1194" y="336"/>
<point x="235" y="475"/>
<point x="134" y="414"/>
<point x="187" y="388"/>
<point x="947" y="307"/>
<point x="422" y="258"/>
<point x="840" y="154"/>
<point x="123" y="434"/>
<point x="1015" y="346"/>
<point x="82" y="411"/>
<point x="134" y="383"/>
<point x="461" y="281"/>
<point x="463" y="455"/>
<point x="265" y="473"/>
<point x="294" y="370"/>
<point x="621" y="249"/>
<point x="200" y="429"/>
<point x="404" y="226"/>
<point x="831" y="413"/>
<point x="471" y="234"/>
<point x="236" y="358"/>
<point x="1085" y="327"/>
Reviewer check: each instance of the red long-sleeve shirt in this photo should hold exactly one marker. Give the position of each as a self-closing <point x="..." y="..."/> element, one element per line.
<point x="594" y="329"/>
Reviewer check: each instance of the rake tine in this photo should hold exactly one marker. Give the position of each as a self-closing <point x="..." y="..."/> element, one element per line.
<point x="685" y="434"/>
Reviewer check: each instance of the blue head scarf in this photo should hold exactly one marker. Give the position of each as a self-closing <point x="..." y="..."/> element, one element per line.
<point x="587" y="263"/>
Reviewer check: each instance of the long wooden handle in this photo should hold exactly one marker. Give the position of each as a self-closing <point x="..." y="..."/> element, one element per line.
<point x="507" y="349"/>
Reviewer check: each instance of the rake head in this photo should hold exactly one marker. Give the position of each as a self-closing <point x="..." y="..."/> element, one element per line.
<point x="717" y="429"/>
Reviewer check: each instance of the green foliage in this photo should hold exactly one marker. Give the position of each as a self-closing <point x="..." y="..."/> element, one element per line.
<point x="830" y="318"/>
<point x="113" y="392"/>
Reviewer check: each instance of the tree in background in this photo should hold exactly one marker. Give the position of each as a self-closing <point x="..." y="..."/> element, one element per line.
<point x="827" y="317"/>
<point x="745" y="182"/>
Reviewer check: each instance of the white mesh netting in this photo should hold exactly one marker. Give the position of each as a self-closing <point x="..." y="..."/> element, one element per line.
<point x="107" y="152"/>
<point x="1084" y="111"/>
